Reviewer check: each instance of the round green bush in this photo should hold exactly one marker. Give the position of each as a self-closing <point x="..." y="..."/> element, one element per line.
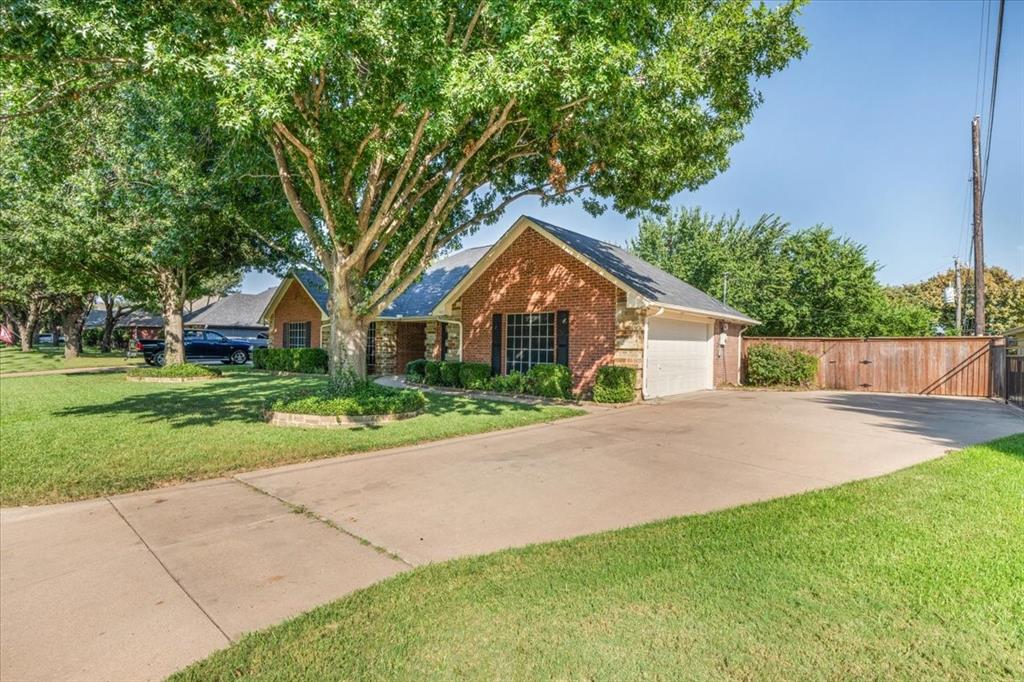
<point x="185" y="370"/>
<point x="474" y="375"/>
<point x="414" y="370"/>
<point x="432" y="373"/>
<point x="363" y="398"/>
<point x="771" y="365"/>
<point x="615" y="384"/>
<point x="513" y="382"/>
<point x="550" y="381"/>
<point x="450" y="373"/>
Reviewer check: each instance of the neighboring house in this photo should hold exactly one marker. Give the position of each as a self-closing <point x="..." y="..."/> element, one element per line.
<point x="140" y="324"/>
<point x="540" y="294"/>
<point x="236" y="315"/>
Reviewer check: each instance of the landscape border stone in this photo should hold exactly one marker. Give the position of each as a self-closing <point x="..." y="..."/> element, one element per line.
<point x="171" y="380"/>
<point x="324" y="421"/>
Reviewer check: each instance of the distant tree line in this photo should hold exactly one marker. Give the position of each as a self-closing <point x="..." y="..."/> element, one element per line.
<point x="808" y="282"/>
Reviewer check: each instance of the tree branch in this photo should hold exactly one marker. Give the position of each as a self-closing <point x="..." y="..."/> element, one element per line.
<point x="295" y="202"/>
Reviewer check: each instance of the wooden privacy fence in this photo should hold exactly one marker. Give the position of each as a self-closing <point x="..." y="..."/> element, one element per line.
<point x="940" y="365"/>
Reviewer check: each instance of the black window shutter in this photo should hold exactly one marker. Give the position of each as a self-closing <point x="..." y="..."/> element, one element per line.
<point x="309" y="335"/>
<point x="496" y="344"/>
<point x="562" y="338"/>
<point x="284" y="334"/>
<point x="444" y="340"/>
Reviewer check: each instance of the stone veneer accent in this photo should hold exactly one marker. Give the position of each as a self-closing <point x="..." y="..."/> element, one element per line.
<point x="535" y="275"/>
<point x="334" y="422"/>
<point x="386" y="346"/>
<point x="629" y="338"/>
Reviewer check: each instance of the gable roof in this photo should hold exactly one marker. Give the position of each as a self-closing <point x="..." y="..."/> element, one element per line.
<point x="420" y="299"/>
<point x="651" y="282"/>
<point x="635" y="275"/>
<point x="236" y="310"/>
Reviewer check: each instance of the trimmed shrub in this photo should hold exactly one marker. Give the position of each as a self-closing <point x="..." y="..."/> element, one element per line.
<point x="432" y="372"/>
<point x="615" y="384"/>
<point x="771" y="365"/>
<point x="361" y="398"/>
<point x="415" y="370"/>
<point x="513" y="382"/>
<point x="474" y="375"/>
<point x="450" y="373"/>
<point x="184" y="370"/>
<point x="300" y="360"/>
<point x="550" y="381"/>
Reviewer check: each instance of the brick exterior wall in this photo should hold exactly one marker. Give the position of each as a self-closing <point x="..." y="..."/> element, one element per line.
<point x="411" y="344"/>
<point x="535" y="275"/>
<point x="295" y="306"/>
<point x="727" y="358"/>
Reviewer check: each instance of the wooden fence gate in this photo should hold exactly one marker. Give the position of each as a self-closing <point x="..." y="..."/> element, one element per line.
<point x="940" y="365"/>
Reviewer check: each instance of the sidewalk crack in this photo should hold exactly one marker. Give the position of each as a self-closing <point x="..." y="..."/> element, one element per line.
<point x="167" y="570"/>
<point x="309" y="513"/>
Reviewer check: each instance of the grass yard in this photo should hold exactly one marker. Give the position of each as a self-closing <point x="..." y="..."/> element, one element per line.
<point x="52" y="357"/>
<point x="915" y="575"/>
<point x="79" y="436"/>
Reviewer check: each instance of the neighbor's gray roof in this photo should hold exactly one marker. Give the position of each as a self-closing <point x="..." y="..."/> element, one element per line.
<point x="420" y="299"/>
<point x="139" y="318"/>
<point x="651" y="282"/>
<point x="236" y="310"/>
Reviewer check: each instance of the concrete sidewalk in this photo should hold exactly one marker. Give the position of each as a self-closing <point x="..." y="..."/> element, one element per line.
<point x="139" y="585"/>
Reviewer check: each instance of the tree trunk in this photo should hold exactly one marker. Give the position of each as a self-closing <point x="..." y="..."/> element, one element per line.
<point x="108" y="324"/>
<point x="346" y="346"/>
<point x="72" y="319"/>
<point x="172" y="299"/>
<point x="27" y="329"/>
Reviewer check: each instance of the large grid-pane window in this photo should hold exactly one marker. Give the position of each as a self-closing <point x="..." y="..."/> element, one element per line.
<point x="296" y="334"/>
<point x="529" y="341"/>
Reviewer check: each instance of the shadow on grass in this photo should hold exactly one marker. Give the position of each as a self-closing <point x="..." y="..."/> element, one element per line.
<point x="243" y="396"/>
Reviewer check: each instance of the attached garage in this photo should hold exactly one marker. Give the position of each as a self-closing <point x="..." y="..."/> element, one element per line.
<point x="678" y="357"/>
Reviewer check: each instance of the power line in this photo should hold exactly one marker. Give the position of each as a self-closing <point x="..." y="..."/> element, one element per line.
<point x="992" y="102"/>
<point x="982" y="56"/>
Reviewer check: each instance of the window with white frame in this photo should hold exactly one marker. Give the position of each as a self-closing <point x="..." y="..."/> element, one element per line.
<point x="296" y="334"/>
<point x="529" y="340"/>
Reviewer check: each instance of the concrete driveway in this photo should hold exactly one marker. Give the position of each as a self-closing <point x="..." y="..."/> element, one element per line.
<point x="137" y="586"/>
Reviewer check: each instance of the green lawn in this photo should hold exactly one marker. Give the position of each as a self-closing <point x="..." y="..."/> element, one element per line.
<point x="916" y="575"/>
<point x="52" y="357"/>
<point x="79" y="436"/>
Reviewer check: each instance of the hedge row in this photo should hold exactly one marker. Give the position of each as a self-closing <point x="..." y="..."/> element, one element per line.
<point x="546" y="380"/>
<point x="770" y="365"/>
<point x="300" y="360"/>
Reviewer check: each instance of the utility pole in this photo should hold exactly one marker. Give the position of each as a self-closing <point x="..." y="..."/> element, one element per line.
<point x="958" y="294"/>
<point x="979" y="240"/>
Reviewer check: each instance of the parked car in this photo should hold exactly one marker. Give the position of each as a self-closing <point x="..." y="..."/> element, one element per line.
<point x="261" y="341"/>
<point x="199" y="345"/>
<point x="47" y="337"/>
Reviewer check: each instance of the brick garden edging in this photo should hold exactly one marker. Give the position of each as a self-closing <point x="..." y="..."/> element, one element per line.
<point x="334" y="421"/>
<point x="171" y="380"/>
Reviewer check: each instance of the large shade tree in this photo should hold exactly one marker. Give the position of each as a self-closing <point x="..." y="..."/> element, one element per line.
<point x="398" y="127"/>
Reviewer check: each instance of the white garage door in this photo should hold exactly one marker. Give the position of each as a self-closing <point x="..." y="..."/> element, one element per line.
<point x="678" y="357"/>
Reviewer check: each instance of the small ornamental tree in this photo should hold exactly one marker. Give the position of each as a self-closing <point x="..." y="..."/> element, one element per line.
<point x="397" y="127"/>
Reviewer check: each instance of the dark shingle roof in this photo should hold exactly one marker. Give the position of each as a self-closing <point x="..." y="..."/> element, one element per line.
<point x="651" y="282"/>
<point x="139" y="318"/>
<point x="315" y="285"/>
<point x="236" y="310"/>
<point x="420" y="299"/>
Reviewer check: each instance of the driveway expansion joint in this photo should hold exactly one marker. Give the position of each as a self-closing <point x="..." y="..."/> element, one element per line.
<point x="173" y="577"/>
<point x="309" y="513"/>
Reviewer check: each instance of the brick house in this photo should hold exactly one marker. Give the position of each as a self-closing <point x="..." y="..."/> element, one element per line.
<point x="540" y="294"/>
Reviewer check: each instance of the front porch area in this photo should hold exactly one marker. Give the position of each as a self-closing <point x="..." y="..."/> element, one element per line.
<point x="392" y="344"/>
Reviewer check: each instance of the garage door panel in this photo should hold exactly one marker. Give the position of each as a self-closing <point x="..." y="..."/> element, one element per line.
<point x="678" y="357"/>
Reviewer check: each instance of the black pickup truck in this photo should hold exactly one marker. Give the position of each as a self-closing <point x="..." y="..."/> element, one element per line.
<point x="199" y="345"/>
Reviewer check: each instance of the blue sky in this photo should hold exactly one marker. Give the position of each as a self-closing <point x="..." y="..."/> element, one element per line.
<point x="868" y="133"/>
